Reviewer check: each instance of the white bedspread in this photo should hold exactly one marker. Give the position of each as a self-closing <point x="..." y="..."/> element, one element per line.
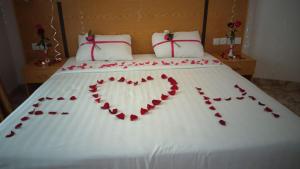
<point x="180" y="133"/>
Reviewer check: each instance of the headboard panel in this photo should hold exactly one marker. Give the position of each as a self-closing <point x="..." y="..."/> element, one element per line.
<point x="139" y="18"/>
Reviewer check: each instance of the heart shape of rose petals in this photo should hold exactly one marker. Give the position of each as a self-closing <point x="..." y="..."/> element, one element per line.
<point x="95" y="88"/>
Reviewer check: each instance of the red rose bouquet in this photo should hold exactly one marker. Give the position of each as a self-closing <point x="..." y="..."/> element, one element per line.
<point x="233" y="28"/>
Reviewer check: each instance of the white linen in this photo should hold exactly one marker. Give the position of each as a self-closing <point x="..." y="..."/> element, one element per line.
<point x="180" y="133"/>
<point x="105" y="51"/>
<point x="185" y="49"/>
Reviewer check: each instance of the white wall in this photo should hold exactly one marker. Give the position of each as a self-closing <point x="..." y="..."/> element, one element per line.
<point x="272" y="37"/>
<point x="11" y="51"/>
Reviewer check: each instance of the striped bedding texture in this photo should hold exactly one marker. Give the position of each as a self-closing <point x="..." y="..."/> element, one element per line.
<point x="69" y="129"/>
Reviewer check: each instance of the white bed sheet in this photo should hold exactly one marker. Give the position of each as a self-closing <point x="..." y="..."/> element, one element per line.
<point x="180" y="133"/>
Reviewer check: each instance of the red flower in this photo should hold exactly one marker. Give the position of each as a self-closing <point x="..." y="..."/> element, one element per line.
<point x="90" y="38"/>
<point x="230" y="25"/>
<point x="40" y="30"/>
<point x="237" y="24"/>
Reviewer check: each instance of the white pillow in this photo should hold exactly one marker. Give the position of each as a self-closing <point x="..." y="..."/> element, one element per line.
<point x="190" y="45"/>
<point x="111" y="47"/>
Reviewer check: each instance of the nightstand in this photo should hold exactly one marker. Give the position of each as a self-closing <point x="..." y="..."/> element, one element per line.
<point x="244" y="66"/>
<point x="33" y="74"/>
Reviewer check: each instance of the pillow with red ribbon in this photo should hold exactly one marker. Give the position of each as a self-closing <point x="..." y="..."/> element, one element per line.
<point x="104" y="47"/>
<point x="177" y="44"/>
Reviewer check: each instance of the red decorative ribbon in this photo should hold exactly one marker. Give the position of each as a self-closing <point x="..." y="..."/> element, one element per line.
<point x="172" y="43"/>
<point x="93" y="42"/>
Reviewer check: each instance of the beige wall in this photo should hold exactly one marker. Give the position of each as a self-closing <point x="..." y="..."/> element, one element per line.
<point x="272" y="37"/>
<point x="11" y="52"/>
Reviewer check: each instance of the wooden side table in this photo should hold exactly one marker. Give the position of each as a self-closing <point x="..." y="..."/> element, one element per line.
<point x="244" y="66"/>
<point x="38" y="74"/>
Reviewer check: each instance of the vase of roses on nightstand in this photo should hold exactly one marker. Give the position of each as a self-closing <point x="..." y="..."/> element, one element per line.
<point x="43" y="44"/>
<point x="233" y="28"/>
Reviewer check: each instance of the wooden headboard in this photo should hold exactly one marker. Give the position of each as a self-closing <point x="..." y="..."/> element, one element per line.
<point x="139" y="18"/>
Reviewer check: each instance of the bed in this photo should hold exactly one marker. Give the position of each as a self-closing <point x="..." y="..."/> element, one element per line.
<point x="148" y="113"/>
<point x="215" y="119"/>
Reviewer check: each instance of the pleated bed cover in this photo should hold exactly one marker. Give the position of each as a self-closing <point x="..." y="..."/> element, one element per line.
<point x="216" y="120"/>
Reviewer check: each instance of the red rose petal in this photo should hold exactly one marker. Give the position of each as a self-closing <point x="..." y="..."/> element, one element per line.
<point x="276" y="115"/>
<point x="205" y="98"/>
<point x="133" y="117"/>
<point x="41" y="99"/>
<point x="143" y="111"/>
<point x="18" y="126"/>
<point x="150" y="78"/>
<point x="172" y="93"/>
<point x="236" y="86"/>
<point x="121" y="116"/>
<point x="174" y="87"/>
<point x="129" y="82"/>
<point x="261" y="104"/>
<point x="172" y="81"/>
<point x="164" y="76"/>
<point x="268" y="109"/>
<point x="244" y="93"/>
<point x="93" y="86"/>
<point x="52" y="112"/>
<point x="111" y="79"/>
<point x="149" y="106"/>
<point x="222" y="122"/>
<point x="35" y="105"/>
<point x="240" y="98"/>
<point x="164" y="97"/>
<point x="241" y="90"/>
<point x="228" y="99"/>
<point x="198" y="88"/>
<point x="201" y="93"/>
<point x="156" y="102"/>
<point x="25" y="118"/>
<point x="105" y="106"/>
<point x="217" y="99"/>
<point x="39" y="112"/>
<point x="252" y="97"/>
<point x="93" y="90"/>
<point x="73" y="98"/>
<point x="212" y="108"/>
<point x="10" y="134"/>
<point x="207" y="102"/>
<point x="100" y="81"/>
<point x="60" y="98"/>
<point x="64" y="113"/>
<point x="97" y="100"/>
<point x="122" y="79"/>
<point x="49" y="98"/>
<point x="113" y="111"/>
<point x="95" y="95"/>
<point x="218" y="114"/>
<point x="143" y="80"/>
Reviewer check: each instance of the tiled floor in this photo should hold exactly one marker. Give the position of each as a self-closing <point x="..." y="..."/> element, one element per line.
<point x="288" y="93"/>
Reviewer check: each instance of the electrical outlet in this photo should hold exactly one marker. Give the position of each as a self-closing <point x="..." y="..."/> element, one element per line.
<point x="223" y="41"/>
<point x="34" y="46"/>
<point x="216" y="41"/>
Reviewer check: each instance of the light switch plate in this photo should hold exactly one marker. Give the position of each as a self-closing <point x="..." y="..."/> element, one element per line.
<point x="34" y="46"/>
<point x="223" y="41"/>
<point x="215" y="41"/>
<point x="238" y="40"/>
